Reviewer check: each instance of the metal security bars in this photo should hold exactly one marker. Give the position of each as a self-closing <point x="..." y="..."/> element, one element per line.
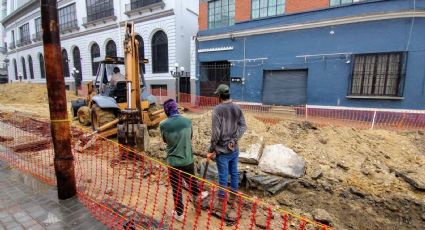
<point x="37" y="35"/>
<point x="15" y="67"/>
<point x="267" y="8"/>
<point x="98" y="9"/>
<point x="378" y="74"/>
<point x="95" y="52"/>
<point x="141" y="53"/>
<point x="42" y="71"/>
<point x="24" y="33"/>
<point x="160" y="52"/>
<point x="221" y="13"/>
<point x="111" y="49"/>
<point x="31" y="67"/>
<point x="24" y="69"/>
<point x="212" y="74"/>
<point x="67" y="17"/>
<point x="65" y="65"/>
<point x="77" y="63"/>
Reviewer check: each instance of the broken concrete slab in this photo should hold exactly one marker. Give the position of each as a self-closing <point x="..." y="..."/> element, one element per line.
<point x="266" y="182"/>
<point x="252" y="155"/>
<point x="282" y="161"/>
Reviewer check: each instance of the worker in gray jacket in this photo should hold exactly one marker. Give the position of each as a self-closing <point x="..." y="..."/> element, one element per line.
<point x="228" y="126"/>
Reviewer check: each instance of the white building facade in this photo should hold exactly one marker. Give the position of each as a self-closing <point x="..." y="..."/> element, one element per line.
<point x="93" y="28"/>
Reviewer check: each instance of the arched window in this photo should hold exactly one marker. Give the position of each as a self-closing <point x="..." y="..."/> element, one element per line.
<point x="111" y="49"/>
<point x="65" y="65"/>
<point x="95" y="52"/>
<point x="24" y="69"/>
<point x="77" y="64"/>
<point x="159" y="52"/>
<point x="15" y="68"/>
<point x="31" y="67"/>
<point x="41" y="60"/>
<point x="141" y="53"/>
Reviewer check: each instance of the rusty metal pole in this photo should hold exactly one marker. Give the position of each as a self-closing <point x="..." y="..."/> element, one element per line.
<point x="60" y="128"/>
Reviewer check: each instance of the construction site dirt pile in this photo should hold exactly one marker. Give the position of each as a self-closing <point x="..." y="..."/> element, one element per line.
<point x="349" y="171"/>
<point x="18" y="97"/>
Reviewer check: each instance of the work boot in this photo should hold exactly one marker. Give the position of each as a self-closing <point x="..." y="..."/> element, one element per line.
<point x="198" y="199"/>
<point x="218" y="205"/>
<point x="232" y="201"/>
<point x="230" y="215"/>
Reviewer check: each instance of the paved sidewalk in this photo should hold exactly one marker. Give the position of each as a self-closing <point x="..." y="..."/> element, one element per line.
<point x="26" y="203"/>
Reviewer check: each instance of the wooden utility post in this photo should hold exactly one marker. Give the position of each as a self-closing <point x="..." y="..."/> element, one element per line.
<point x="60" y="128"/>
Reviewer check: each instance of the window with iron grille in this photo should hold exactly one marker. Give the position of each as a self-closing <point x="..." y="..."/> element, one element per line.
<point x="159" y="52"/>
<point x="15" y="67"/>
<point x="141" y="53"/>
<point x="212" y="74"/>
<point x="67" y="17"/>
<point x="41" y="60"/>
<point x="379" y="74"/>
<point x="221" y="13"/>
<point x="111" y="49"/>
<point x="342" y="2"/>
<point x="95" y="52"/>
<point x="24" y="69"/>
<point x="159" y="90"/>
<point x="31" y="67"/>
<point x="267" y="8"/>
<point x="136" y="4"/>
<point x="98" y="9"/>
<point x="24" y="32"/>
<point x="77" y="64"/>
<point x="218" y="71"/>
<point x="65" y="65"/>
<point x="37" y="23"/>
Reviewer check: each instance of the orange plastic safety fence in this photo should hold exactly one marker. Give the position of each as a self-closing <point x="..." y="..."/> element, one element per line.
<point x="357" y="118"/>
<point x="125" y="189"/>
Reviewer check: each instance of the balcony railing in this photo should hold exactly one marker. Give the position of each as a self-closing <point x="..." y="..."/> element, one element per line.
<point x="23" y="41"/>
<point x="141" y="5"/>
<point x="98" y="16"/>
<point x="68" y="26"/>
<point x="12" y="45"/>
<point x="36" y="37"/>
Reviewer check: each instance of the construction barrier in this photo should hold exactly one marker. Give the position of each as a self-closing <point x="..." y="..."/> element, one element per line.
<point x="125" y="189"/>
<point x="343" y="116"/>
<point x="363" y="118"/>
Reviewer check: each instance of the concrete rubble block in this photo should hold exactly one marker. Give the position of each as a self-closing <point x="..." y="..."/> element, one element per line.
<point x="282" y="161"/>
<point x="252" y="155"/>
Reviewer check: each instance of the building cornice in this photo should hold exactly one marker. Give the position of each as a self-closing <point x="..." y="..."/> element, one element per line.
<point x="316" y="24"/>
<point x="161" y="14"/>
<point x="99" y="29"/>
<point x="21" y="12"/>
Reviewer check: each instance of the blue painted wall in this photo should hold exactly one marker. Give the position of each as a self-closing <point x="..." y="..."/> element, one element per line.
<point x="329" y="78"/>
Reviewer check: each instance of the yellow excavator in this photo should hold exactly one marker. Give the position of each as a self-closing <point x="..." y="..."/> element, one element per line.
<point x="124" y="109"/>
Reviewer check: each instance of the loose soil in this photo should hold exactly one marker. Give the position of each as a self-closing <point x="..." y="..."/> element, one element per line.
<point x="27" y="98"/>
<point x="351" y="173"/>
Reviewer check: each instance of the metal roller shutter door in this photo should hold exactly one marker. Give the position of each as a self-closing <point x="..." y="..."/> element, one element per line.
<point x="285" y="87"/>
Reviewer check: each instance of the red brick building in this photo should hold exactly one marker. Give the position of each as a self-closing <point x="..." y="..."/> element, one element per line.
<point x="245" y="10"/>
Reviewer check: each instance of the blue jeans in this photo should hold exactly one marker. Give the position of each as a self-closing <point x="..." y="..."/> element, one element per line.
<point x="227" y="164"/>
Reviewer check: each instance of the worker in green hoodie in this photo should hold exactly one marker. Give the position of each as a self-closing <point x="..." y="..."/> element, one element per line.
<point x="176" y="131"/>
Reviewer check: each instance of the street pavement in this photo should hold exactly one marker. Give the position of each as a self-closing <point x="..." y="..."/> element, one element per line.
<point x="26" y="203"/>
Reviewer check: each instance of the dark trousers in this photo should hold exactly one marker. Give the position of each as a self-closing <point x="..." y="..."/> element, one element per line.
<point x="176" y="180"/>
